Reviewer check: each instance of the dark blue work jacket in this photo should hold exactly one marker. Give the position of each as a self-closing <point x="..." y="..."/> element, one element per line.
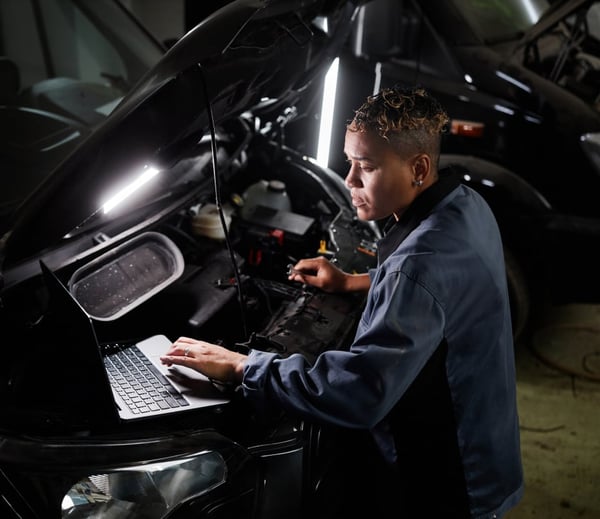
<point x="431" y="369"/>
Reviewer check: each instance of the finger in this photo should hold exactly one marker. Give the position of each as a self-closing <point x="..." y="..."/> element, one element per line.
<point x="308" y="264"/>
<point x="185" y="350"/>
<point x="302" y="274"/>
<point x="187" y="340"/>
<point x="184" y="341"/>
<point x="168" y="360"/>
<point x="181" y="346"/>
<point x="177" y="349"/>
<point x="178" y="360"/>
<point x="296" y="276"/>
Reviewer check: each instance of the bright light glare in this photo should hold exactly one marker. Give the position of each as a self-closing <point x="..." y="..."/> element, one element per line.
<point x="148" y="173"/>
<point x="327" y="113"/>
<point x="512" y="80"/>
<point x="67" y="503"/>
<point x="532" y="11"/>
<point x="504" y="109"/>
<point x="377" y="83"/>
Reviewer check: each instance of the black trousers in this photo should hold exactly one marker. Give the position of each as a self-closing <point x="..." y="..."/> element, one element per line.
<point x="357" y="482"/>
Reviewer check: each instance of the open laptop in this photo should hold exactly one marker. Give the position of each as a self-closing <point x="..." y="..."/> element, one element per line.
<point x="182" y="389"/>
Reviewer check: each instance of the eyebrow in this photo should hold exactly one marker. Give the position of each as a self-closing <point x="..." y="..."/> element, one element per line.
<point x="359" y="157"/>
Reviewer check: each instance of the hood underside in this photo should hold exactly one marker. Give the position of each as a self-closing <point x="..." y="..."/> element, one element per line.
<point x="249" y="57"/>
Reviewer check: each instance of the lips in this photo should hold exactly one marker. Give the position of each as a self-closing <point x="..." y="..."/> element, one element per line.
<point x="357" y="201"/>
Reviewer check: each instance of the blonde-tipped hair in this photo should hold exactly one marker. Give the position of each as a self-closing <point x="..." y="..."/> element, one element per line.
<point x="410" y="119"/>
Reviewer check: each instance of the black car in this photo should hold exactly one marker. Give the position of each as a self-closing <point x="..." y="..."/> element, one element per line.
<point x="521" y="83"/>
<point x="147" y="194"/>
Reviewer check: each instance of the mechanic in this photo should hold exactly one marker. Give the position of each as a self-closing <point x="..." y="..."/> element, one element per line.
<point x="430" y="375"/>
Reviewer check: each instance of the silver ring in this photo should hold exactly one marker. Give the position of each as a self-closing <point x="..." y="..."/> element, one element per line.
<point x="186" y="351"/>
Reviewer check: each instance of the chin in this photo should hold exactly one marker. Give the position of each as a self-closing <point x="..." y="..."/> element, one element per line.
<point x="364" y="214"/>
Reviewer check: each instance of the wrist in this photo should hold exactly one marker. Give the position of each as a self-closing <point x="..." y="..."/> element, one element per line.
<point x="238" y="369"/>
<point x="357" y="282"/>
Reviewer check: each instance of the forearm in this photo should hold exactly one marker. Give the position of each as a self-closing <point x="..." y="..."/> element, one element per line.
<point x="357" y="283"/>
<point x="292" y="383"/>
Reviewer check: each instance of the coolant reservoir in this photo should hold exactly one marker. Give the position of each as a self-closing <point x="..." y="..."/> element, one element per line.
<point x="270" y="193"/>
<point x="207" y="221"/>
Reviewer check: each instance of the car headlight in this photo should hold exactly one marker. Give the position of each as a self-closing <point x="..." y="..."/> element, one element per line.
<point x="149" y="490"/>
<point x="590" y="142"/>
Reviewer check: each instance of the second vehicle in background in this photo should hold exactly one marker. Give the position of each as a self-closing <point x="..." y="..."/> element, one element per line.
<point x="521" y="82"/>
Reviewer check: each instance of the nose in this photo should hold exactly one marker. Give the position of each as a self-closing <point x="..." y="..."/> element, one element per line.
<point x="352" y="179"/>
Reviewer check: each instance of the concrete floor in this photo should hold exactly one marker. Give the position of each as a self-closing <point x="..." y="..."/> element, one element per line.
<point x="558" y="381"/>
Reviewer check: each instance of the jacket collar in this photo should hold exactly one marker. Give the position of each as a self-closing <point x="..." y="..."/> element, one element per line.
<point x="397" y="231"/>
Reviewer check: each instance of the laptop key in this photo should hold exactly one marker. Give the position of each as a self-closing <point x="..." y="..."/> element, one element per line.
<point x="144" y="387"/>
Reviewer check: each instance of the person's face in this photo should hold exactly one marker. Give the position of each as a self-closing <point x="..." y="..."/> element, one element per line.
<point x="380" y="181"/>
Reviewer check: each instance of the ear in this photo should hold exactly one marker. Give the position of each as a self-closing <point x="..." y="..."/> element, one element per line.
<point x="421" y="166"/>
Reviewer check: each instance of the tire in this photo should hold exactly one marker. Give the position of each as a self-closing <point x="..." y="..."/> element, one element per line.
<point x="518" y="293"/>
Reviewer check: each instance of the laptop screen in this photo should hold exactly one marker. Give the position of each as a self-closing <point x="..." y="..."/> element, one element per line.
<point x="67" y="378"/>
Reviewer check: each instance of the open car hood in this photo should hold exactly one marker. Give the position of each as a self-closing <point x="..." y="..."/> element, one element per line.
<point x="250" y="56"/>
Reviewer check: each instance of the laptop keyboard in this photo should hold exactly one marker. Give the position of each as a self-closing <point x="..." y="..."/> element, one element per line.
<point x="138" y="382"/>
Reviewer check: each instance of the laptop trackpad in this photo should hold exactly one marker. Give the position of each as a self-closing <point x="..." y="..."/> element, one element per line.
<point x="194" y="386"/>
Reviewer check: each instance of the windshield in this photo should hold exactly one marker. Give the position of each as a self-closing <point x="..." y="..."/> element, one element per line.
<point x="64" y="66"/>
<point x="68" y="41"/>
<point x="496" y="21"/>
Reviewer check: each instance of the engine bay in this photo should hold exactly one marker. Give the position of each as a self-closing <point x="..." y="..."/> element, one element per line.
<point x="233" y="287"/>
<point x="185" y="276"/>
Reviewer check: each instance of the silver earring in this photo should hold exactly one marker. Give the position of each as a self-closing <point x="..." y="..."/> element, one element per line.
<point x="418" y="183"/>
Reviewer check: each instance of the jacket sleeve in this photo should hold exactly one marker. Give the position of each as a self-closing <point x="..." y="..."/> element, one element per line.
<point x="401" y="327"/>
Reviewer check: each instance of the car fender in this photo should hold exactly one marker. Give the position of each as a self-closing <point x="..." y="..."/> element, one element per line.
<point x="498" y="184"/>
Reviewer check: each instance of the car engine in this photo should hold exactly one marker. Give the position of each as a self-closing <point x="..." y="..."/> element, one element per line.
<point x="187" y="276"/>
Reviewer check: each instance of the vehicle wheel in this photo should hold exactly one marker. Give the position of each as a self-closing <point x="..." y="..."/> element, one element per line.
<point x="518" y="292"/>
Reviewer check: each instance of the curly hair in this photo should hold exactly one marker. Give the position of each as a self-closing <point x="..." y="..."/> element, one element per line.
<point x="409" y="118"/>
